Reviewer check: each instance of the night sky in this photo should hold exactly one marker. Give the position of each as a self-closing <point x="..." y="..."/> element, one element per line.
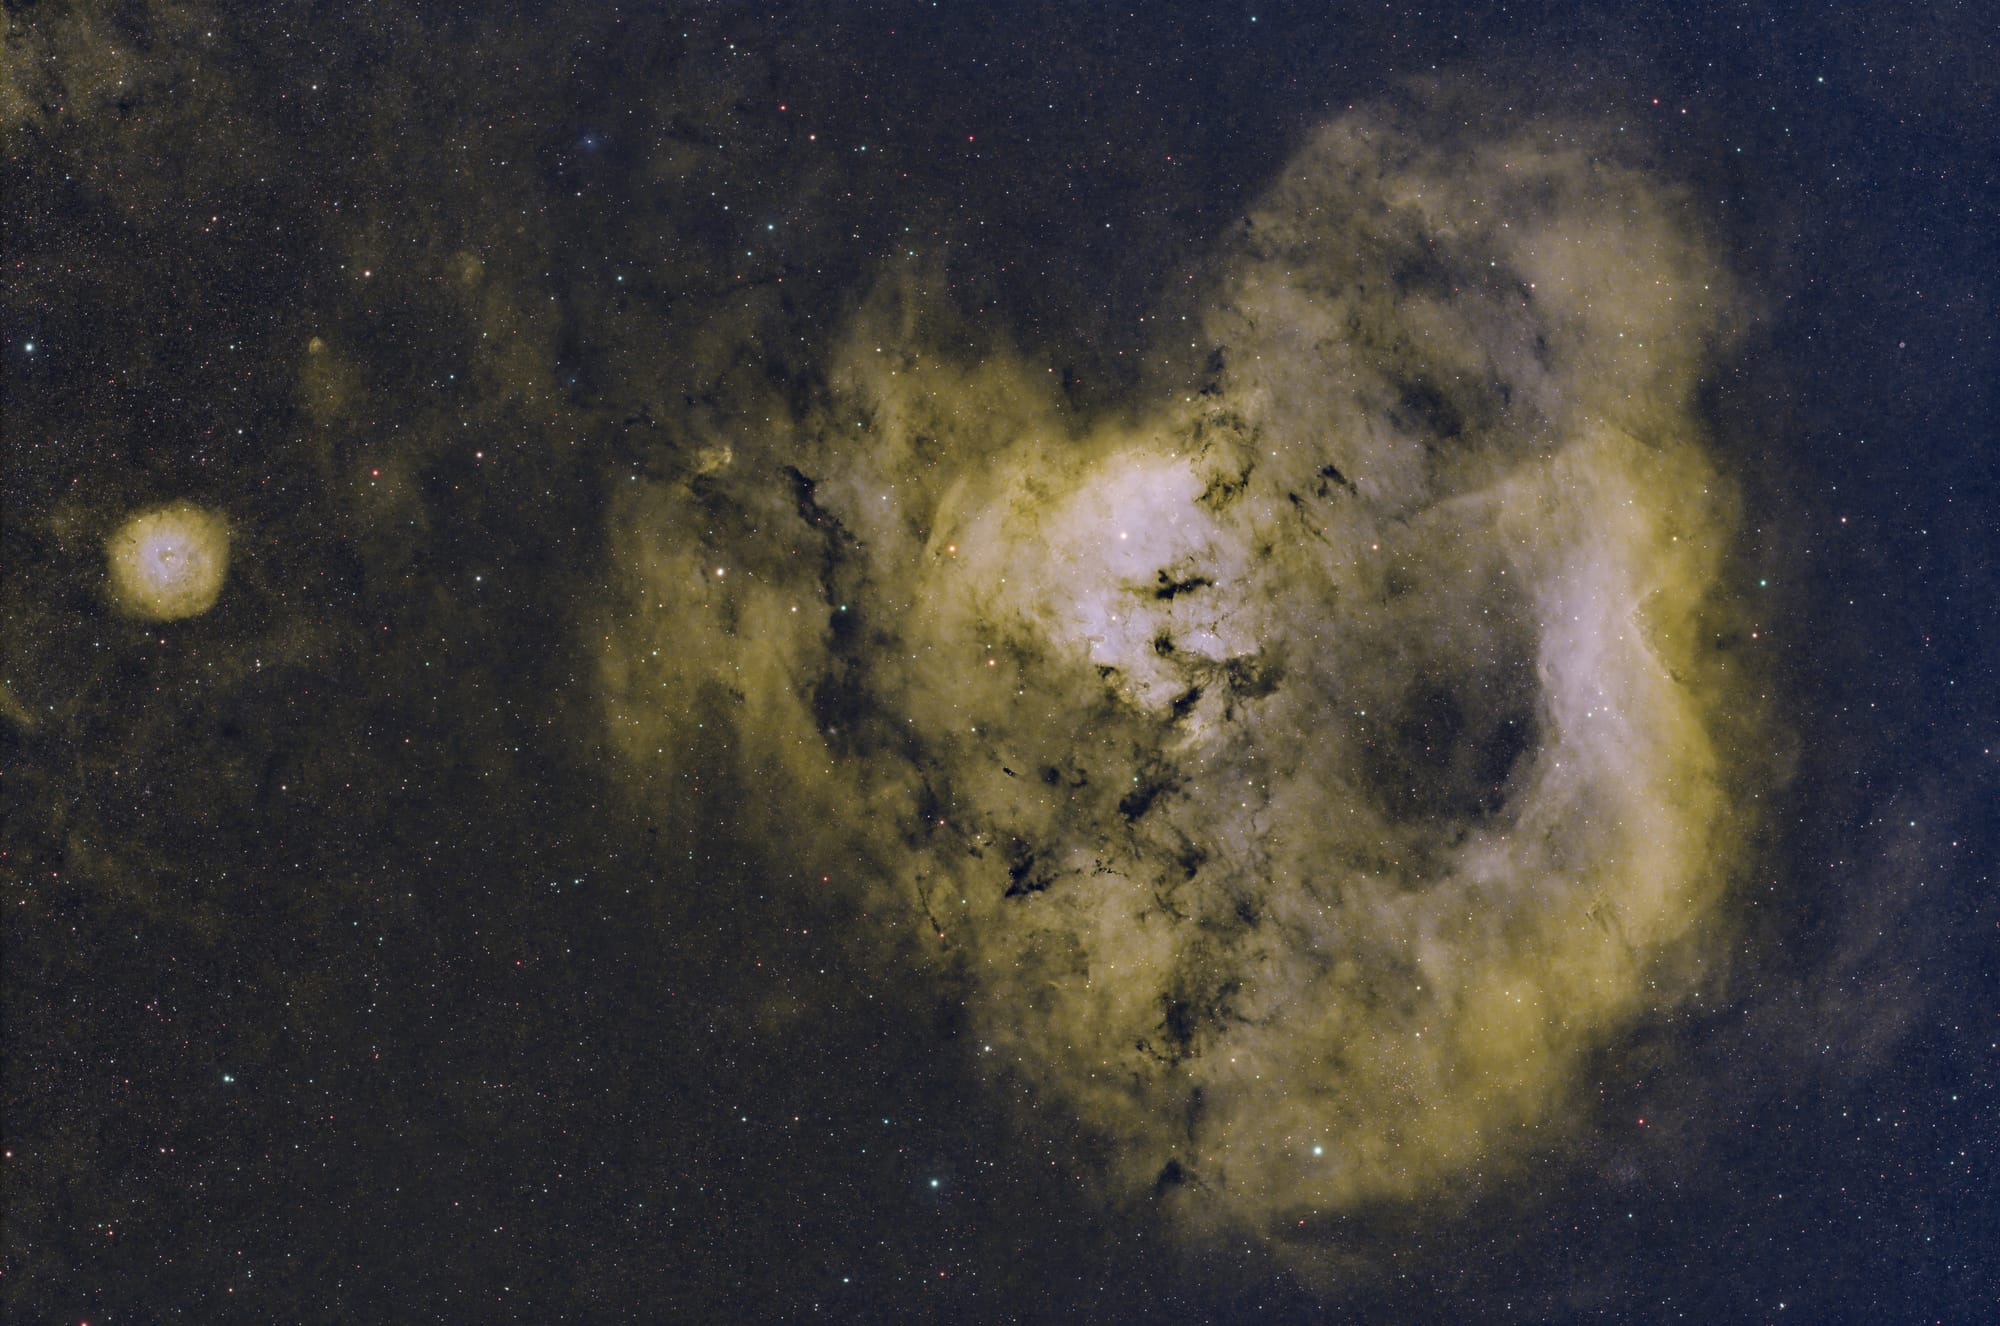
<point x="996" y="662"/>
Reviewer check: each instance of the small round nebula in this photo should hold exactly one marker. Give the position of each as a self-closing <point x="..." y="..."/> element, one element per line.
<point x="168" y="562"/>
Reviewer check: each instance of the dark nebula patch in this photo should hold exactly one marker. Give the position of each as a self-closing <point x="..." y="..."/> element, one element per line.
<point x="1444" y="752"/>
<point x="1423" y="409"/>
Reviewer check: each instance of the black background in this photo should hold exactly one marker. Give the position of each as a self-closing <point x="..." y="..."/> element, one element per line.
<point x="345" y="982"/>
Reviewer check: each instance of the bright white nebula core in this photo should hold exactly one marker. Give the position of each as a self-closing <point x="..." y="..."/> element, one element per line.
<point x="169" y="562"/>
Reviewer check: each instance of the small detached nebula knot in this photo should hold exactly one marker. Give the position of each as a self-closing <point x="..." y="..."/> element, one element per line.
<point x="168" y="562"/>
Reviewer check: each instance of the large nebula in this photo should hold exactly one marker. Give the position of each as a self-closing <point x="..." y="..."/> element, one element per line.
<point x="1301" y="773"/>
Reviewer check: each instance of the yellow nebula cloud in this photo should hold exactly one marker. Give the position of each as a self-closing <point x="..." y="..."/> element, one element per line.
<point x="168" y="562"/>
<point x="1304" y="775"/>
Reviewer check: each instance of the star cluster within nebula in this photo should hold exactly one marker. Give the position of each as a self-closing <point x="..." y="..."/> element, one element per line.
<point x="1301" y="774"/>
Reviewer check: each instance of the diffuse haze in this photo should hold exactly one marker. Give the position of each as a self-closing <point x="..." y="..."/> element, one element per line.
<point x="1302" y="773"/>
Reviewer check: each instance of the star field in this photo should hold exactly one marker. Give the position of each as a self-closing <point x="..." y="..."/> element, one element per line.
<point x="1008" y="663"/>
